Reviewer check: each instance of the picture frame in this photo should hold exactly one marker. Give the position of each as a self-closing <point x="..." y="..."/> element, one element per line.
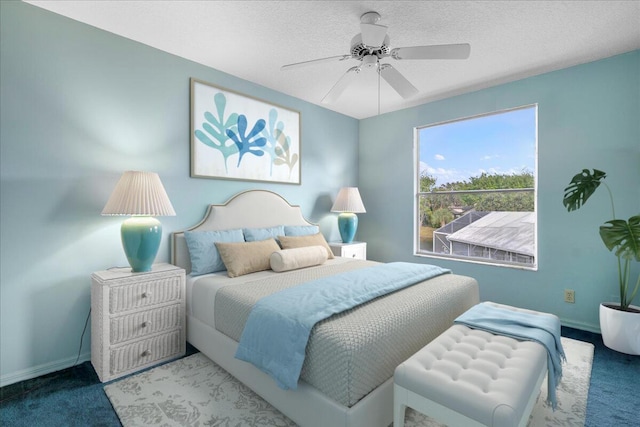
<point x="235" y="136"/>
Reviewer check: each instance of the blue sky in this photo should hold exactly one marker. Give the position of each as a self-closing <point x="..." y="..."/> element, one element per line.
<point x="502" y="143"/>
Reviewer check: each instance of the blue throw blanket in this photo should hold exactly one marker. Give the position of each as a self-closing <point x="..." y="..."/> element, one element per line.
<point x="278" y="328"/>
<point x="543" y="328"/>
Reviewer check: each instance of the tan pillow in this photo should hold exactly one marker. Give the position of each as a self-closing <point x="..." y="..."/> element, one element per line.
<point x="291" y="259"/>
<point x="246" y="257"/>
<point x="289" y="242"/>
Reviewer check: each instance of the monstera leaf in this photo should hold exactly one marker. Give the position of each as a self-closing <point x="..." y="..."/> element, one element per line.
<point x="619" y="236"/>
<point x="581" y="187"/>
<point x="623" y="236"/>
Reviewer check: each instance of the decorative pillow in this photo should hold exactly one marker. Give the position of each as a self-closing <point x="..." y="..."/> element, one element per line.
<point x="254" y="234"/>
<point x="300" y="230"/>
<point x="202" y="249"/>
<point x="288" y="242"/>
<point x="247" y="257"/>
<point x="292" y="259"/>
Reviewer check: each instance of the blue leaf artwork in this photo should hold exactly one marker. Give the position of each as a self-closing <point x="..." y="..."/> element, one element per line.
<point x="248" y="143"/>
<point x="279" y="143"/>
<point x="217" y="129"/>
<point x="265" y="138"/>
<point x="269" y="133"/>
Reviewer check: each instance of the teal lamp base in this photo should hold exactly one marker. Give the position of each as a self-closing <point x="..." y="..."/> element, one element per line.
<point x="141" y="237"/>
<point x="347" y="224"/>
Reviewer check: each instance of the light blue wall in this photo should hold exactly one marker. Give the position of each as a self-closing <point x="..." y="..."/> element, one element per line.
<point x="79" y="106"/>
<point x="588" y="117"/>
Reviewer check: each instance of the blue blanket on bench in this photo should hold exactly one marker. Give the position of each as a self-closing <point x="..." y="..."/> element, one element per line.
<point x="542" y="327"/>
<point x="275" y="336"/>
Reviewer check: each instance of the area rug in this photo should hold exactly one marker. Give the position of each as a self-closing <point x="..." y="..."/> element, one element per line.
<point x="196" y="392"/>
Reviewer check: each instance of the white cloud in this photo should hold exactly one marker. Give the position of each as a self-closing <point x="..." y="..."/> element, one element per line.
<point x="499" y="171"/>
<point x="424" y="167"/>
<point x="489" y="157"/>
<point x="439" y="157"/>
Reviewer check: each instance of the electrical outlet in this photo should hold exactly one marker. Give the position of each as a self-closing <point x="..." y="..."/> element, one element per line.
<point x="570" y="296"/>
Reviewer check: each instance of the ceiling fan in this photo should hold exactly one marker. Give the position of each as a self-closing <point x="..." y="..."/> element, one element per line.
<point x="372" y="45"/>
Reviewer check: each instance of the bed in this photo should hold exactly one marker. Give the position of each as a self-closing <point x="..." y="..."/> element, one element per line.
<point x="342" y="384"/>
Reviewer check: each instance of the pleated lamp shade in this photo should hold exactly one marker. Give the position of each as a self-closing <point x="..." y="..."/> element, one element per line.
<point x="348" y="203"/>
<point x="348" y="200"/>
<point x="141" y="195"/>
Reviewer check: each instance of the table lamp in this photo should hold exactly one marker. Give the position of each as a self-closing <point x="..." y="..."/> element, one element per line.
<point x="141" y="195"/>
<point x="348" y="203"/>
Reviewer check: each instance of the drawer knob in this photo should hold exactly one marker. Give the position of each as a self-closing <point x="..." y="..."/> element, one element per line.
<point x="146" y="324"/>
<point x="146" y="294"/>
<point x="145" y="353"/>
<point x="353" y="256"/>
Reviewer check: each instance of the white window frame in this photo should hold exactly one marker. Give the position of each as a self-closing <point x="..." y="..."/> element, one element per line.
<point x="417" y="194"/>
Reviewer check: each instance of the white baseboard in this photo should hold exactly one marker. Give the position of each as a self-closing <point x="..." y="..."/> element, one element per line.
<point x="46" y="368"/>
<point x="580" y="325"/>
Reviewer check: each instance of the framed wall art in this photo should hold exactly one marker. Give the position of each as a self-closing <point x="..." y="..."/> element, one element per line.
<point x="234" y="136"/>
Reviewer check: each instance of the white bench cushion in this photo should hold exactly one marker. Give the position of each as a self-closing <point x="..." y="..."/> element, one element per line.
<point x="488" y="378"/>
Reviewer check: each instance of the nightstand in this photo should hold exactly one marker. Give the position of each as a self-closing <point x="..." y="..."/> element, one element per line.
<point x="137" y="319"/>
<point x="357" y="250"/>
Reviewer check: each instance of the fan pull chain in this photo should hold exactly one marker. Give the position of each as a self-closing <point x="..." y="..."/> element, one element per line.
<point x="378" y="89"/>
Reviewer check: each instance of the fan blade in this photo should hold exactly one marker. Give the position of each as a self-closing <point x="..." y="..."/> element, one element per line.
<point x="442" y="51"/>
<point x="340" y="86"/>
<point x="314" y="61"/>
<point x="373" y="34"/>
<point x="397" y="81"/>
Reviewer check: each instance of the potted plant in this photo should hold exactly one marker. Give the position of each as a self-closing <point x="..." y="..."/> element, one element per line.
<point x="619" y="323"/>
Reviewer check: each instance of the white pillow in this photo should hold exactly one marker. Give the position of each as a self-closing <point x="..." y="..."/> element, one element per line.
<point x="290" y="242"/>
<point x="291" y="259"/>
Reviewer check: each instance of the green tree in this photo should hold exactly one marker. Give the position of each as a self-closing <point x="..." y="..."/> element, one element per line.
<point x="427" y="184"/>
<point x="513" y="202"/>
<point x="438" y="201"/>
<point x="440" y="217"/>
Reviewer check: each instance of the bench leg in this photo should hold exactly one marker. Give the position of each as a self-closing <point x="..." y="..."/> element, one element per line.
<point x="399" y="405"/>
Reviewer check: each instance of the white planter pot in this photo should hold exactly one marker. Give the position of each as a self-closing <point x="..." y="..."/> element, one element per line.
<point x="620" y="329"/>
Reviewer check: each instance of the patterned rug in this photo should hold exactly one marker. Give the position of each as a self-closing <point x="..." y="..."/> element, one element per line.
<point x="194" y="391"/>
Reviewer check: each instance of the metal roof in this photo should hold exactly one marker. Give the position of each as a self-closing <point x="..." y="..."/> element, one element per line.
<point x="506" y="231"/>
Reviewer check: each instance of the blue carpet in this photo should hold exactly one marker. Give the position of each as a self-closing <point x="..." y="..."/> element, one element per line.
<point x="75" y="397"/>
<point x="614" y="394"/>
<point x="72" y="397"/>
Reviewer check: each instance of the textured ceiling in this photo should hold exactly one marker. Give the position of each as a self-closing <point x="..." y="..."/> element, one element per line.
<point x="253" y="39"/>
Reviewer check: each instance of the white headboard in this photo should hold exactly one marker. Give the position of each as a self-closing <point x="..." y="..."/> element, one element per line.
<point x="249" y="209"/>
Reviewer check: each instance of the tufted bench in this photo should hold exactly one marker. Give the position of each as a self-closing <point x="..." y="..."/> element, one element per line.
<point x="469" y="377"/>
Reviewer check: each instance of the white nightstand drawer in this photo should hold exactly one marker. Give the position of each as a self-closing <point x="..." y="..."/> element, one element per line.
<point x="139" y="324"/>
<point x="357" y="250"/>
<point x="140" y="353"/>
<point x="144" y="294"/>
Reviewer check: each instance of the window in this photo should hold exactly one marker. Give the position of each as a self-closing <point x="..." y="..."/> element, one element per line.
<point x="476" y="188"/>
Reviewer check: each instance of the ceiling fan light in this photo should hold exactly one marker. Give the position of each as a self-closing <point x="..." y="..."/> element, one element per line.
<point x="370" y="61"/>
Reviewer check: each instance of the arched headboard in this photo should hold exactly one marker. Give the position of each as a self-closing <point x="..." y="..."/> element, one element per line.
<point x="249" y="209"/>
